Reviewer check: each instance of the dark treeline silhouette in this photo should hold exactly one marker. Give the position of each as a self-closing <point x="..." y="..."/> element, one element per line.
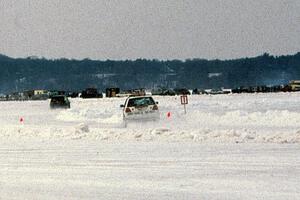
<point x="64" y="74"/>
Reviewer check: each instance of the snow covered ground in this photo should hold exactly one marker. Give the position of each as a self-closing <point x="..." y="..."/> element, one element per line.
<point x="226" y="147"/>
<point x="266" y="118"/>
<point x="84" y="169"/>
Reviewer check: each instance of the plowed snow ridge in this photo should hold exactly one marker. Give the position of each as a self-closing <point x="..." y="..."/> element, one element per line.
<point x="267" y="118"/>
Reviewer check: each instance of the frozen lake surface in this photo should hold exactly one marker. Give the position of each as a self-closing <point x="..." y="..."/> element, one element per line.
<point x="99" y="170"/>
<point x="226" y="147"/>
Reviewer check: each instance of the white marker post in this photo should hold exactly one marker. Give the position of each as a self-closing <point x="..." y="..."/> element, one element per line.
<point x="184" y="101"/>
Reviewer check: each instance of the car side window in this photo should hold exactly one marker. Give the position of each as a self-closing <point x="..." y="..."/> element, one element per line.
<point x="131" y="103"/>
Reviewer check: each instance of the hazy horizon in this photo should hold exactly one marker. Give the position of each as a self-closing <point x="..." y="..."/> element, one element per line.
<point x="164" y="30"/>
<point x="183" y="59"/>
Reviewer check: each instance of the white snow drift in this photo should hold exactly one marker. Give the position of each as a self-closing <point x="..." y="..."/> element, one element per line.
<point x="273" y="118"/>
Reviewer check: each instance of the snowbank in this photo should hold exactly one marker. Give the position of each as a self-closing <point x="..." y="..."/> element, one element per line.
<point x="83" y="131"/>
<point x="266" y="118"/>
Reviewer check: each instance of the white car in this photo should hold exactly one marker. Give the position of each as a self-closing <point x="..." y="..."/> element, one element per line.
<point x="140" y="108"/>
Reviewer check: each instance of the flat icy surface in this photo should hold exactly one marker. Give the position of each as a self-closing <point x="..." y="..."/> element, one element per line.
<point x="226" y="147"/>
<point x="99" y="170"/>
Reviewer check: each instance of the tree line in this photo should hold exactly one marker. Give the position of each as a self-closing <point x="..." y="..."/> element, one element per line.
<point x="18" y="74"/>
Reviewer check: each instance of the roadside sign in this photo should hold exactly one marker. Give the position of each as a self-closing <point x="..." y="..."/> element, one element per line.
<point x="184" y="101"/>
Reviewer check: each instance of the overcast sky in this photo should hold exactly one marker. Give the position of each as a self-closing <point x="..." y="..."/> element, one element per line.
<point x="162" y="29"/>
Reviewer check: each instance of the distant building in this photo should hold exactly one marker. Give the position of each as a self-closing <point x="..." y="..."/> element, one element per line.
<point x="36" y="94"/>
<point x="295" y="85"/>
<point x="40" y="92"/>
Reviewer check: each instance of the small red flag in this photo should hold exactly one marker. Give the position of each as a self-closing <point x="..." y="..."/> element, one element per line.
<point x="168" y="114"/>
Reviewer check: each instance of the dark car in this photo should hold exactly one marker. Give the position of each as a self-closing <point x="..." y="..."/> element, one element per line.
<point x="59" y="101"/>
<point x="112" y="92"/>
<point x="182" y="91"/>
<point x="91" y="93"/>
<point x="163" y="92"/>
<point x="72" y="94"/>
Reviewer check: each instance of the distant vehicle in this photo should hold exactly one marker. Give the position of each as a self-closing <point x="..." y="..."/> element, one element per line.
<point x="219" y="91"/>
<point x="73" y="94"/>
<point x="59" y="101"/>
<point x="295" y="85"/>
<point x="91" y="93"/>
<point x="243" y="89"/>
<point x="163" y="92"/>
<point x="197" y="91"/>
<point x="112" y="92"/>
<point x="137" y="92"/>
<point x="140" y="108"/>
<point x="168" y="92"/>
<point x="55" y="93"/>
<point x="182" y="91"/>
<point x="286" y="88"/>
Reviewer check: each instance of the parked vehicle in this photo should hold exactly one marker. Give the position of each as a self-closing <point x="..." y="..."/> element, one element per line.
<point x="216" y="91"/>
<point x="91" y="93"/>
<point x="56" y="92"/>
<point x="59" y="101"/>
<point x="182" y="91"/>
<point x="140" y="108"/>
<point x="199" y="91"/>
<point x="73" y="94"/>
<point x="112" y="92"/>
<point x="168" y="92"/>
<point x="286" y="88"/>
<point x="163" y="92"/>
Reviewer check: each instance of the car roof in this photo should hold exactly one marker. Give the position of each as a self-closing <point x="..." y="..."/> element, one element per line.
<point x="55" y="96"/>
<point x="135" y="97"/>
